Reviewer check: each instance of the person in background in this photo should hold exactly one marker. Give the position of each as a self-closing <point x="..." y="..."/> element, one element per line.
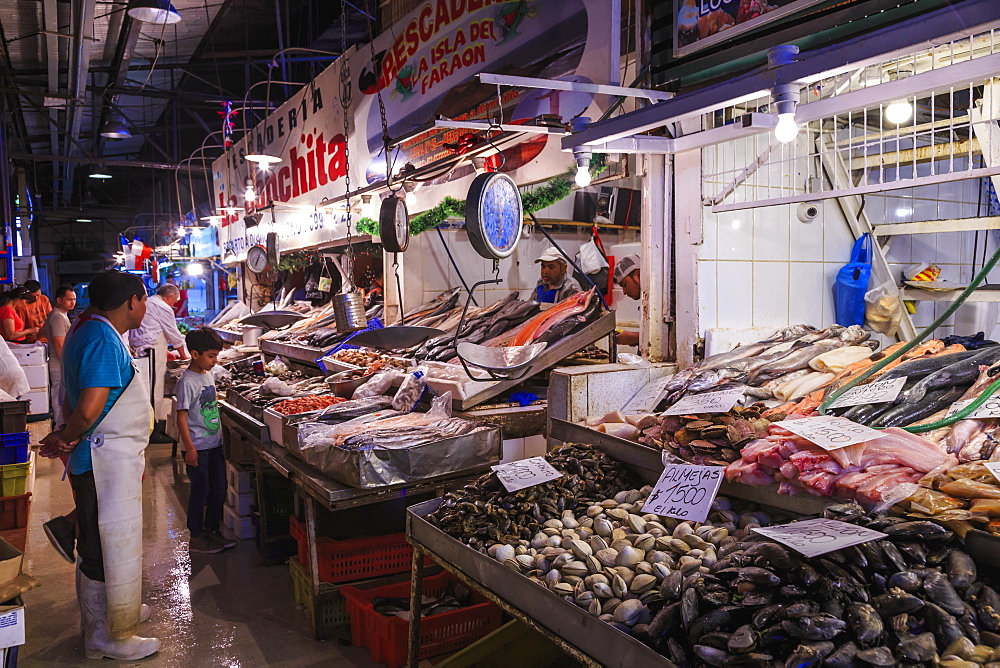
<point x="200" y="434"/>
<point x="556" y="283"/>
<point x="627" y="278"/>
<point x="35" y="313"/>
<point x="158" y="329"/>
<point x="54" y="331"/>
<point x="15" y="329"/>
<point x="106" y="435"/>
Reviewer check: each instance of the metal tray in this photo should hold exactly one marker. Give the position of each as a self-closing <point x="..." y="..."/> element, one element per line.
<point x="301" y="354"/>
<point x="244" y="405"/>
<point x="227" y="335"/>
<point x="602" y="642"/>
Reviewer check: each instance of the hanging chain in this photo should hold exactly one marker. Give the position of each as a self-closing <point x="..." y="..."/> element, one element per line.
<point x="345" y="101"/>
<point x="386" y="139"/>
<point x="399" y="288"/>
<point x="496" y="269"/>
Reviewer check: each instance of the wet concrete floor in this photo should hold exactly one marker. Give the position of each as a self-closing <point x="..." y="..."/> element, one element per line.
<point x="224" y="609"/>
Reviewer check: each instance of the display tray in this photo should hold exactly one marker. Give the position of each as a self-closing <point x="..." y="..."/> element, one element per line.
<point x="227" y="335"/>
<point x="372" y="467"/>
<point x="253" y="429"/>
<point x="245" y="406"/>
<point x="337" y="496"/>
<point x="550" y="357"/>
<point x="278" y="424"/>
<point x="516" y="421"/>
<point x="598" y="640"/>
<point x="302" y="354"/>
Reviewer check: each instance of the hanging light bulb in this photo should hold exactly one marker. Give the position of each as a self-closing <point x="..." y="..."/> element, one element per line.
<point x="411" y="198"/>
<point x="899" y="112"/>
<point x="212" y="220"/>
<point x="194" y="269"/>
<point x="157" y="12"/>
<point x="116" y="128"/>
<point x="250" y="194"/>
<point x="99" y="173"/>
<point x="582" y="157"/>
<point x="787" y="129"/>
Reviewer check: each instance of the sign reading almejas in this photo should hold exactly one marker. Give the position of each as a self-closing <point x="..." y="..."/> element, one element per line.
<point x="425" y="68"/>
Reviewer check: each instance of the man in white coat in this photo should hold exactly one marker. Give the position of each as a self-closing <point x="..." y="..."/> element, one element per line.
<point x="158" y="329"/>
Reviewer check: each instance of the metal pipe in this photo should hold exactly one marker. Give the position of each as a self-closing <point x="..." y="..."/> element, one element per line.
<point x="139" y="164"/>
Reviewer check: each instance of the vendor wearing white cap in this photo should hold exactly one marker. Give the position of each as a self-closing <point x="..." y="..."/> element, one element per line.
<point x="627" y="277"/>
<point x="556" y="283"/>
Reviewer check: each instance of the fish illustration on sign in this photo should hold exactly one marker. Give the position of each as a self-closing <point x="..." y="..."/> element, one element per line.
<point x="510" y="16"/>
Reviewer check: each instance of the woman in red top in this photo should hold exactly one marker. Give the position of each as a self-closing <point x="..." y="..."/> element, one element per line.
<point x="10" y="322"/>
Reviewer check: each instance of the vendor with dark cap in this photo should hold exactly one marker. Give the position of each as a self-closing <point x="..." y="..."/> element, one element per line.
<point x="627" y="277"/>
<point x="556" y="283"/>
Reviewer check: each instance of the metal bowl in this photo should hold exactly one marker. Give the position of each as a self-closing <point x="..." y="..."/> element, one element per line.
<point x="343" y="386"/>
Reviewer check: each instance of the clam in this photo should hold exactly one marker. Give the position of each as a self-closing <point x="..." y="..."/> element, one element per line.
<point x="630" y="556"/>
<point x="525" y="560"/>
<point x="570" y="522"/>
<point x="594" y="511"/>
<point x="577" y="568"/>
<point x="563" y="589"/>
<point x="584" y="599"/>
<point x="637" y="524"/>
<point x="603" y="527"/>
<point x="619" y="586"/>
<point x="562" y="560"/>
<point x="602" y="590"/>
<point x="682" y="529"/>
<point x="596" y="578"/>
<point x="553" y="524"/>
<point x="678" y="546"/>
<point x="553" y="541"/>
<point x="595" y="607"/>
<point x="552" y="578"/>
<point x="512" y="564"/>
<point x="642" y="583"/>
<point x="538" y="541"/>
<point x="503" y="553"/>
<point x="644" y="542"/>
<point x="618" y="534"/>
<point x="629" y="612"/>
<point x="644" y="568"/>
<point x="609" y="605"/>
<point x="597" y="544"/>
<point x="618" y="514"/>
<point x="607" y="557"/>
<point x="580" y="549"/>
<point x="593" y="565"/>
<point x="609" y="503"/>
<point x="621" y="544"/>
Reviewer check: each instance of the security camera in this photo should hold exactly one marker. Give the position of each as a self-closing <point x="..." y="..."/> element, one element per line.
<point x="808" y="211"/>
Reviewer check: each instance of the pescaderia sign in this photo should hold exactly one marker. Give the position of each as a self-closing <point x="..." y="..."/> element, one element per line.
<point x="425" y="67"/>
<point x="699" y="24"/>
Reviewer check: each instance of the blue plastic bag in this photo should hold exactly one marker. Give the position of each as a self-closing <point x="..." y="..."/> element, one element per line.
<point x="852" y="284"/>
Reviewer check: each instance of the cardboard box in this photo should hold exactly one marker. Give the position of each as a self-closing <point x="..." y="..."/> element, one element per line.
<point x="12" y="623"/>
<point x="10" y="565"/>
<point x="29" y="354"/>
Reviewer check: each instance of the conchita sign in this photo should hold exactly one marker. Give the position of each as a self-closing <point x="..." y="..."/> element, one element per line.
<point x="425" y="68"/>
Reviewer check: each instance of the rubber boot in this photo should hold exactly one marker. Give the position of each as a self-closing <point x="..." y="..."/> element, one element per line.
<point x="98" y="644"/>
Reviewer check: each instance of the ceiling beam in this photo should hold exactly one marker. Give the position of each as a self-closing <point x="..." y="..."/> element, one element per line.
<point x="83" y="12"/>
<point x="137" y="164"/>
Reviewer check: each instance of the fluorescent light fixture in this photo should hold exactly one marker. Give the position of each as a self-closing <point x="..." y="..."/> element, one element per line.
<point x="83" y="220"/>
<point x="263" y="160"/>
<point x="158" y="12"/>
<point x="194" y="269"/>
<point x="99" y="173"/>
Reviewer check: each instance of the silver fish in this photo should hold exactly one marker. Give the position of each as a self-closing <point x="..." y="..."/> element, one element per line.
<point x="798" y="359"/>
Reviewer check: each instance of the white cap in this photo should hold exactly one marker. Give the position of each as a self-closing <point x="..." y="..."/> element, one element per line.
<point x="551" y="254"/>
<point x="626" y="266"/>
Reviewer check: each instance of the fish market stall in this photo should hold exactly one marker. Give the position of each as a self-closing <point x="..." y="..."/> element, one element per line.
<point x="612" y="584"/>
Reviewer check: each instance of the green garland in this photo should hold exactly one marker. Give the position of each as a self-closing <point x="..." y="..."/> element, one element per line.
<point x="297" y="260"/>
<point x="559" y="187"/>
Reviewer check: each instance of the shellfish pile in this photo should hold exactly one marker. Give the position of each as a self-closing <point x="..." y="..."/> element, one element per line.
<point x="706" y="439"/>
<point x="718" y="594"/>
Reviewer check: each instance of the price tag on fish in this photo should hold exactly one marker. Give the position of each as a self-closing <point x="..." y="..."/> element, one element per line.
<point x="525" y="473"/>
<point x="829" y="432"/>
<point x="878" y="392"/>
<point x="646" y="399"/>
<point x="815" y="537"/>
<point x="989" y="409"/>
<point x="994" y="468"/>
<point x="685" y="492"/>
<point x="709" y="402"/>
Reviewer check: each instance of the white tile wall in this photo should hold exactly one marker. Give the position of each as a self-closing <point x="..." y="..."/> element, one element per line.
<point x="735" y="305"/>
<point x="771" y="294"/>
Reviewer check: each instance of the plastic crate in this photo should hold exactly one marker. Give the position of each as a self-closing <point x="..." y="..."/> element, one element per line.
<point x="239" y="476"/>
<point x="355" y="559"/>
<point x="333" y="618"/>
<point x="14" y="479"/>
<point x="16" y="537"/>
<point x="243" y="504"/>
<point x="242" y="528"/>
<point x="13" y="416"/>
<point x="386" y="637"/>
<point x="14" y="448"/>
<point x="14" y="511"/>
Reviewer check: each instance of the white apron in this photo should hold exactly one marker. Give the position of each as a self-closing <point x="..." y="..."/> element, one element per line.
<point x="161" y="408"/>
<point x="118" y="448"/>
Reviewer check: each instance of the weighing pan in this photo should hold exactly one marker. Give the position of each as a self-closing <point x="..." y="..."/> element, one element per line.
<point x="394" y="338"/>
<point x="272" y="319"/>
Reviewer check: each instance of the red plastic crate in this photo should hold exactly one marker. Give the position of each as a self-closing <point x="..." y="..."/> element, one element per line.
<point x="16" y="537"/>
<point x="386" y="637"/>
<point x="355" y="559"/>
<point x="14" y="511"/>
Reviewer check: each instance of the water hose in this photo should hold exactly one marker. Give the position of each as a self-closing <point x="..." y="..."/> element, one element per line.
<point x="917" y="340"/>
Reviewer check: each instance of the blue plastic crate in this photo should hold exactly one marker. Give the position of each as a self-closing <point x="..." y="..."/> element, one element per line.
<point x="14" y="448"/>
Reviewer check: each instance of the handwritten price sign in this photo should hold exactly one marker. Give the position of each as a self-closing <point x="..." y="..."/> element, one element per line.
<point x="525" y="473"/>
<point x="709" y="402"/>
<point x="815" y="537"/>
<point x="879" y="392"/>
<point x="646" y="399"/>
<point x="829" y="432"/>
<point x="685" y="492"/>
<point x="990" y="409"/>
<point x="994" y="468"/>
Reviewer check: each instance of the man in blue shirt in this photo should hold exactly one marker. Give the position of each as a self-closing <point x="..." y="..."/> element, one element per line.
<point x="555" y="283"/>
<point x="98" y="370"/>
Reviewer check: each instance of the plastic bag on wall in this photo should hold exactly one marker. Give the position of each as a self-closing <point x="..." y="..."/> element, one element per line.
<point x="852" y="284"/>
<point x="883" y="309"/>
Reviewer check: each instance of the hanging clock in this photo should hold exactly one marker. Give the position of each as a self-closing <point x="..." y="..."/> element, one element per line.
<point x="494" y="215"/>
<point x="257" y="260"/>
<point x="394" y="225"/>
